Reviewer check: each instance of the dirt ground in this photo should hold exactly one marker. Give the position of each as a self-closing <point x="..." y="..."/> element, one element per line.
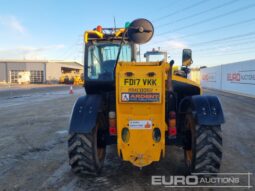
<point x="33" y="145"/>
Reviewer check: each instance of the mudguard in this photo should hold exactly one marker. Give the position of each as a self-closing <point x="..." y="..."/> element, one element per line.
<point x="84" y="114"/>
<point x="206" y="110"/>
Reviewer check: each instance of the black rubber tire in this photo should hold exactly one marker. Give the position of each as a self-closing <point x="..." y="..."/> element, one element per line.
<point x="205" y="143"/>
<point x="83" y="151"/>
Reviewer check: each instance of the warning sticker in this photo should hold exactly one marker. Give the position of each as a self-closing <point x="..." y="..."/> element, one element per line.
<point x="140" y="97"/>
<point x="140" y="124"/>
<point x="125" y="97"/>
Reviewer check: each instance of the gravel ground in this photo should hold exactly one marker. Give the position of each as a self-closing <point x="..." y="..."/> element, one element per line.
<point x="33" y="146"/>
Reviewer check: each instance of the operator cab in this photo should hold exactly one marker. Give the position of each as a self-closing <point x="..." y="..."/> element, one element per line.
<point x="102" y="58"/>
<point x="101" y="51"/>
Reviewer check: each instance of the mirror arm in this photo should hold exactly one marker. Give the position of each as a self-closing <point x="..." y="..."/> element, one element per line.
<point x="118" y="55"/>
<point x="169" y="75"/>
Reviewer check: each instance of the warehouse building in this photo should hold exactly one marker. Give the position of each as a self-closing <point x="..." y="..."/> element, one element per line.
<point x="39" y="71"/>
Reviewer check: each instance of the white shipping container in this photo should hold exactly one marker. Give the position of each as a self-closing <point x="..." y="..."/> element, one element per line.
<point x="211" y="77"/>
<point x="239" y="77"/>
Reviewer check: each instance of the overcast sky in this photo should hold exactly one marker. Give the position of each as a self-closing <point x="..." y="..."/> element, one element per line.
<point x="218" y="32"/>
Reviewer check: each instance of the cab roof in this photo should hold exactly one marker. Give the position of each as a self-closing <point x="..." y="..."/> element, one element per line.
<point x="104" y="34"/>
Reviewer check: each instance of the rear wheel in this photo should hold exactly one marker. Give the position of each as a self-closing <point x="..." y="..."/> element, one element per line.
<point x="203" y="147"/>
<point x="86" y="153"/>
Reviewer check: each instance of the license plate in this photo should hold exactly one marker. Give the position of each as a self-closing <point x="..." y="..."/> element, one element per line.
<point x="140" y="82"/>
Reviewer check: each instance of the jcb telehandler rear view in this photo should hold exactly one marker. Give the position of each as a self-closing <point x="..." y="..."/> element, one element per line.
<point x="140" y="106"/>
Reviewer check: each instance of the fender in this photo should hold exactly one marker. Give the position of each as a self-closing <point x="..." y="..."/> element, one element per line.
<point x="84" y="114"/>
<point x="206" y="110"/>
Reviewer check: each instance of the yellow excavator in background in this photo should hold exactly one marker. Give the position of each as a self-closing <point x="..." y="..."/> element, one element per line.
<point x="73" y="77"/>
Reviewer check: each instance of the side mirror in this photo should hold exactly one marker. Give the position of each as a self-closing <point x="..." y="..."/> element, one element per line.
<point x="187" y="57"/>
<point x="171" y="63"/>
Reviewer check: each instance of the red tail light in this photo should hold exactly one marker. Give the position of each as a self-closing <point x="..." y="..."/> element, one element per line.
<point x="172" y="124"/>
<point x="112" y="123"/>
<point x="113" y="131"/>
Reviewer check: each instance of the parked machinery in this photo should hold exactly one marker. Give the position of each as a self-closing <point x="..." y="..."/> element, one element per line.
<point x="140" y="106"/>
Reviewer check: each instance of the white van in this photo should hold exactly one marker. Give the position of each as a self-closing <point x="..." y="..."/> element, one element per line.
<point x="23" y="77"/>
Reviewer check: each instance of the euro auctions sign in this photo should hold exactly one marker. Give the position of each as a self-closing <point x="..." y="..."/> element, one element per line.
<point x="242" y="77"/>
<point x="209" y="77"/>
<point x="236" y="77"/>
<point x="204" y="180"/>
<point x="239" y="77"/>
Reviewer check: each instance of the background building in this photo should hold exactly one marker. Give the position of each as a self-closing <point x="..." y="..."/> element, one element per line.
<point x="41" y="71"/>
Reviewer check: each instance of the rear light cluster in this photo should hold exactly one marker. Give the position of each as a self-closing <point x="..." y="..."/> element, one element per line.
<point x="172" y="124"/>
<point x="112" y="123"/>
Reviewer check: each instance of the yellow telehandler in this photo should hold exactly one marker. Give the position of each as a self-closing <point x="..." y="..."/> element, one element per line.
<point x="140" y="107"/>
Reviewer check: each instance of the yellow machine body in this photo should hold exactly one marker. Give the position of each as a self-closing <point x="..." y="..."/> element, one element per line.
<point x="140" y="104"/>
